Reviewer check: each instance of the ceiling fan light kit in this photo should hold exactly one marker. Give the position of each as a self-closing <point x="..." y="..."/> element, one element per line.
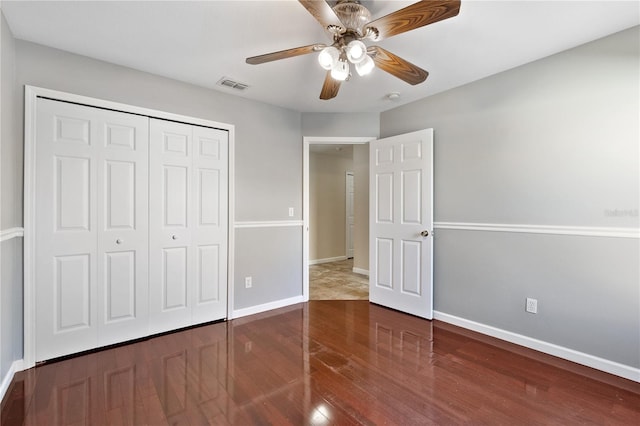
<point x="356" y="51"/>
<point x="365" y="66"/>
<point x="340" y="71"/>
<point x="328" y="57"/>
<point x="350" y="24"/>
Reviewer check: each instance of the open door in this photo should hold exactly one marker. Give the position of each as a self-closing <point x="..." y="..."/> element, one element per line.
<point x="401" y="221"/>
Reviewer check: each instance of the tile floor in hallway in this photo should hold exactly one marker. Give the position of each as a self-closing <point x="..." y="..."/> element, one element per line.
<point x="337" y="281"/>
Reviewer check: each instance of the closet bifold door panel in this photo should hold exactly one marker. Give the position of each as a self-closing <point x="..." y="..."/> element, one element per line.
<point x="91" y="227"/>
<point x="188" y="225"/>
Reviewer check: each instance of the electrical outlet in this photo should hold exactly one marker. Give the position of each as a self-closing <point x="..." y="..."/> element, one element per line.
<point x="248" y="282"/>
<point x="532" y="305"/>
<point x="290" y="211"/>
<point x="247" y="347"/>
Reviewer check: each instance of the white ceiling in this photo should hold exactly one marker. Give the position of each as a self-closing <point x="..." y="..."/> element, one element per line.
<point x="201" y="41"/>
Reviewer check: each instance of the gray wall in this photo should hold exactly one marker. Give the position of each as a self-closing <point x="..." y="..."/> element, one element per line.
<point x="10" y="209"/>
<point x="268" y="150"/>
<point x="327" y="205"/>
<point x="11" y="310"/>
<point x="11" y="181"/>
<point x="340" y="125"/>
<point x="276" y="270"/>
<point x="553" y="142"/>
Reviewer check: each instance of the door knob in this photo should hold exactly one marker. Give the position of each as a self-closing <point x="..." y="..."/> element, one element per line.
<point x="174" y="237"/>
<point x="425" y="233"/>
<point x="118" y="241"/>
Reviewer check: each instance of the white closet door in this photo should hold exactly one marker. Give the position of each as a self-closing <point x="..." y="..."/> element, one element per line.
<point x="123" y="238"/>
<point x="210" y="175"/>
<point x="188" y="204"/>
<point x="75" y="296"/>
<point x="170" y="253"/>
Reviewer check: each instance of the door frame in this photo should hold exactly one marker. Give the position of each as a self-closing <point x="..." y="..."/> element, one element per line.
<point x="348" y="240"/>
<point x="306" y="142"/>
<point x="31" y="94"/>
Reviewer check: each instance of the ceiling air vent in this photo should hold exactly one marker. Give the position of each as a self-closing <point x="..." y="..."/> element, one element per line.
<point x="232" y="84"/>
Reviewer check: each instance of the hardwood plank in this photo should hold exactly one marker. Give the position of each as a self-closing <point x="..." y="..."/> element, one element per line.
<point x="322" y="362"/>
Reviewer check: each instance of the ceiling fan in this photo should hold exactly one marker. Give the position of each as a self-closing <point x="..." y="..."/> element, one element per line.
<point x="349" y="24"/>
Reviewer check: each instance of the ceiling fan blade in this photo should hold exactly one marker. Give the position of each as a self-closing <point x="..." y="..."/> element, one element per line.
<point x="323" y="13"/>
<point x="397" y="66"/>
<point x="283" y="54"/>
<point x="414" y="16"/>
<point x="330" y="87"/>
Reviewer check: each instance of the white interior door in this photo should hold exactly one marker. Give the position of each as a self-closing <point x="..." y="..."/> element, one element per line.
<point x="350" y="215"/>
<point x="91" y="193"/>
<point x="401" y="221"/>
<point x="210" y="218"/>
<point x="123" y="223"/>
<point x="188" y="205"/>
<point x="170" y="199"/>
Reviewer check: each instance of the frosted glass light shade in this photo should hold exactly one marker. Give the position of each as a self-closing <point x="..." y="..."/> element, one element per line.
<point x="356" y="51"/>
<point x="328" y="57"/>
<point x="340" y="71"/>
<point x="365" y="66"/>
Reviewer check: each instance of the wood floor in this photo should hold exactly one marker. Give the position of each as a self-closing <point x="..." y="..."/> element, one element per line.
<point x="322" y="362"/>
<point x="337" y="281"/>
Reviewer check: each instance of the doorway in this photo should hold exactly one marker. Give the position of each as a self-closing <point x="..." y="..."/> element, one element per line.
<point x="332" y="257"/>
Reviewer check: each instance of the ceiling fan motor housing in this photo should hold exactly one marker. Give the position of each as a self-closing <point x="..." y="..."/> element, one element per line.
<point x="353" y="15"/>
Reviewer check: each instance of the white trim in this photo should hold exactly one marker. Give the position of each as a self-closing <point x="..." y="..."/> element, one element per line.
<point x="31" y="93"/>
<point x="360" y="271"/>
<point x="585" y="231"/>
<point x="592" y="361"/>
<point x="8" y="234"/>
<point x="327" y="260"/>
<point x="267" y="306"/>
<point x="231" y="200"/>
<point x="6" y="380"/>
<point x="306" y="141"/>
<point x="29" y="265"/>
<point x="268" y="224"/>
<point x="349" y="250"/>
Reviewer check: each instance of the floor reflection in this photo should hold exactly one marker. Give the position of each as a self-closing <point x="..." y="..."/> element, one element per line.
<point x="325" y="362"/>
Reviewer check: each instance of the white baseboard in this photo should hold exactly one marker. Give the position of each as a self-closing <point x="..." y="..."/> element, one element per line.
<point x="238" y="313"/>
<point x="602" y="364"/>
<point x="361" y="271"/>
<point x="327" y="260"/>
<point x="6" y="380"/>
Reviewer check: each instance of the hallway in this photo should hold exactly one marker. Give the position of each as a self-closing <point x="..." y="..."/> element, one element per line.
<point x="336" y="281"/>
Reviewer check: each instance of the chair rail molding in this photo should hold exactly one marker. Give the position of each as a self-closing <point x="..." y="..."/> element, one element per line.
<point x="10" y="233"/>
<point x="585" y="231"/>
<point x="268" y="224"/>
